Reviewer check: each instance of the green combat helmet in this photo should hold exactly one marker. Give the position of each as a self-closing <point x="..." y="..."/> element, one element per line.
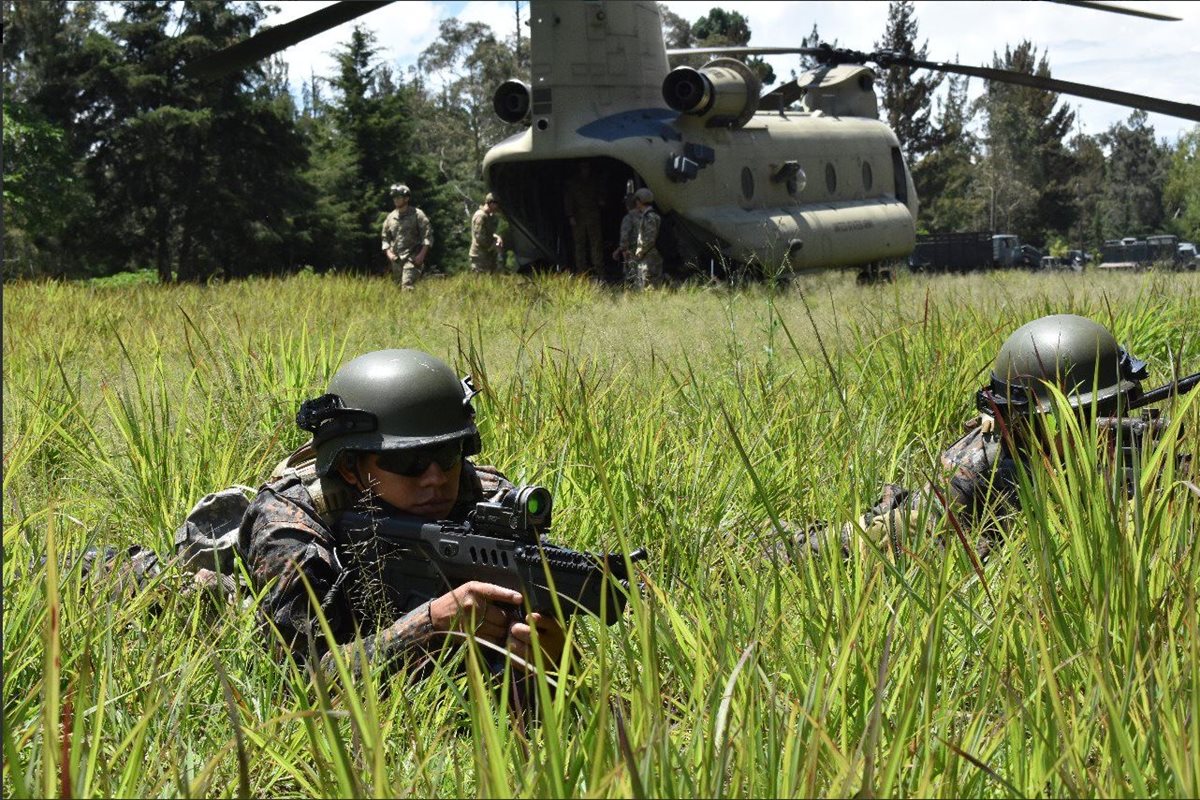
<point x="390" y="400"/>
<point x="1078" y="356"/>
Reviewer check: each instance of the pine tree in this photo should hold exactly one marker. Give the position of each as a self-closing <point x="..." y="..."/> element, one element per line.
<point x="907" y="101"/>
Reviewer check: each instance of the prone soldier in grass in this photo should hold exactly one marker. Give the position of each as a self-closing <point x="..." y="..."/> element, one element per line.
<point x="391" y="437"/>
<point x="1077" y="356"/>
<point x="407" y="237"/>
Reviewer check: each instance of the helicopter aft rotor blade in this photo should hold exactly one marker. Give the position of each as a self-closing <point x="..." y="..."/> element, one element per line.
<point x="829" y="55"/>
<point x="272" y="40"/>
<point x="1144" y="102"/>
<point x="1133" y="12"/>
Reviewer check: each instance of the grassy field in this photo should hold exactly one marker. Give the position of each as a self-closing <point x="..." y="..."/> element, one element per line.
<point x="682" y="421"/>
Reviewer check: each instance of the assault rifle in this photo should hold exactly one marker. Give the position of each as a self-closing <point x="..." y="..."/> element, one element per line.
<point x="1133" y="432"/>
<point x="414" y="560"/>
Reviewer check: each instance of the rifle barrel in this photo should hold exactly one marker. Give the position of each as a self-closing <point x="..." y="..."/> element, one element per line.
<point x="1181" y="386"/>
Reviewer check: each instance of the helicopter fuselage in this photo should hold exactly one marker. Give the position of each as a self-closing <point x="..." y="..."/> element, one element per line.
<point x="786" y="189"/>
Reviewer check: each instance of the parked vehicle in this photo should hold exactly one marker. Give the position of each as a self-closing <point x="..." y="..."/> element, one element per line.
<point x="962" y="252"/>
<point x="1078" y="258"/>
<point x="1187" y="256"/>
<point x="1132" y="253"/>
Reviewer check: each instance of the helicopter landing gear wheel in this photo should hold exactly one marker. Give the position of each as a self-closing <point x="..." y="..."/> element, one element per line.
<point x="874" y="274"/>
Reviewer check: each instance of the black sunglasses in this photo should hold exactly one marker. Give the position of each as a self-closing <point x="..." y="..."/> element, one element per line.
<point x="412" y="463"/>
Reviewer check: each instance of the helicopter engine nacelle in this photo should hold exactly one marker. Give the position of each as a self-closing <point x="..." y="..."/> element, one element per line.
<point x="512" y="101"/>
<point x="724" y="92"/>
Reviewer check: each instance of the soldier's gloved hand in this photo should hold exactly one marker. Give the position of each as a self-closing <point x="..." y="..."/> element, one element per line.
<point x="479" y="608"/>
<point x="551" y="639"/>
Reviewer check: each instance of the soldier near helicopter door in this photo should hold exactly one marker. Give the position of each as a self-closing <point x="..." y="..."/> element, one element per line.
<point x="583" y="197"/>
<point x="485" y="242"/>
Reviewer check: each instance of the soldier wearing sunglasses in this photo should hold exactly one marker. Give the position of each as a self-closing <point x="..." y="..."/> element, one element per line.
<point x="392" y="436"/>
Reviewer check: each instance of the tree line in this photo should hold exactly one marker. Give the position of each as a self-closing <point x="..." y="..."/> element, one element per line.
<point x="115" y="158"/>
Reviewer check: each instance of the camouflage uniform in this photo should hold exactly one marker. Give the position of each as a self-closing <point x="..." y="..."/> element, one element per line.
<point x="649" y="262"/>
<point x="284" y="535"/>
<point x="627" y="244"/>
<point x="979" y="484"/>
<point x="582" y="199"/>
<point x="483" y="240"/>
<point x="404" y="234"/>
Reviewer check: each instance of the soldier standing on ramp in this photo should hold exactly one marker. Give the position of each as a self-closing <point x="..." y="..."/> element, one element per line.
<point x="583" y="199"/>
<point x="486" y="244"/>
<point x="627" y="241"/>
<point x="646" y="255"/>
<point x="407" y="237"/>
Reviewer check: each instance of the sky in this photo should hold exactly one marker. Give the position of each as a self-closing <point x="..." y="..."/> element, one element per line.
<point x="1126" y="53"/>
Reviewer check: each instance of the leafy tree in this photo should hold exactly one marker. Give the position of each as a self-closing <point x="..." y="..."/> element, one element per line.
<point x="1027" y="162"/>
<point x="469" y="62"/>
<point x="1182" y="191"/>
<point x="365" y="140"/>
<point x="951" y="199"/>
<point x="1135" y="176"/>
<point x="677" y="31"/>
<point x="907" y="100"/>
<point x="719" y="28"/>
<point x="41" y="192"/>
<point x="199" y="176"/>
<point x="1087" y="189"/>
<point x="192" y="177"/>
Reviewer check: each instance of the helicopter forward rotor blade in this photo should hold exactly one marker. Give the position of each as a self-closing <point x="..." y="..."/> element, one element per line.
<point x="1133" y="12"/>
<point x="281" y="37"/>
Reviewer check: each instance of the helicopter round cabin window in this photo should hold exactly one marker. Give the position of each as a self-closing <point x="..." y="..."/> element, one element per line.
<point x="747" y="183"/>
<point x="868" y="178"/>
<point x="830" y="178"/>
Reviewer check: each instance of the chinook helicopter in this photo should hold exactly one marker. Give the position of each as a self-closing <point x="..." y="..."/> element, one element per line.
<point x="803" y="177"/>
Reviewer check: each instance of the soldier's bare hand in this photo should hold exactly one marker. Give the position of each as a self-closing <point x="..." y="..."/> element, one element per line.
<point x="551" y="639"/>
<point x="476" y="607"/>
<point x="391" y="256"/>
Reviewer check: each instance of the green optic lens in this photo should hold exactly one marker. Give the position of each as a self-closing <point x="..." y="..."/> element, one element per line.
<point x="534" y="504"/>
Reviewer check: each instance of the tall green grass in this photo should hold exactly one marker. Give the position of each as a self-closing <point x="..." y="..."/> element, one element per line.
<point x="684" y="421"/>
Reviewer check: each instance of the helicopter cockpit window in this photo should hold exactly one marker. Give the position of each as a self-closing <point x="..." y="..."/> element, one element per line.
<point x="747" y="183"/>
<point x="868" y="177"/>
<point x="830" y="178"/>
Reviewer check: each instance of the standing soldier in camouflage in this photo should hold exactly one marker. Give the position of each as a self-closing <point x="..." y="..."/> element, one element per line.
<point x="649" y="262"/>
<point x="486" y="244"/>
<point x="627" y="241"/>
<point x="583" y="200"/>
<point x="407" y="237"/>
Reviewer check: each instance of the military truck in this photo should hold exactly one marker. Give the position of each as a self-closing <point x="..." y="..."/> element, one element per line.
<point x="1133" y="253"/>
<point x="962" y="252"/>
